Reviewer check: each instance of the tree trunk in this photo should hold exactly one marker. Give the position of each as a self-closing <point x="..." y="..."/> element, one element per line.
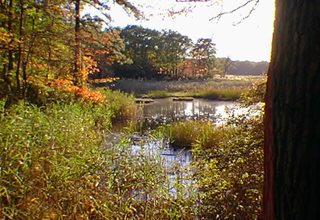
<point x="8" y="70"/>
<point x="292" y="150"/>
<point x="77" y="49"/>
<point x="10" y="30"/>
<point x="19" y="54"/>
<point x="268" y="197"/>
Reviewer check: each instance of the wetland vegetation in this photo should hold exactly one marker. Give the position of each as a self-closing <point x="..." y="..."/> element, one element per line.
<point x="74" y="144"/>
<point x="59" y="159"/>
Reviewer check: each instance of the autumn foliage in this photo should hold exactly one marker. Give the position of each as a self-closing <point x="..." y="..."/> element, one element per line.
<point x="83" y="93"/>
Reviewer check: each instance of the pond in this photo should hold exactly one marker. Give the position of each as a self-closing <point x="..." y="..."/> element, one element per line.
<point x="163" y="111"/>
<point x="177" y="160"/>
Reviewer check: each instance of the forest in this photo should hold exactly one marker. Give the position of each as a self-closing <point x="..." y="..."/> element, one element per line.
<point x="102" y="122"/>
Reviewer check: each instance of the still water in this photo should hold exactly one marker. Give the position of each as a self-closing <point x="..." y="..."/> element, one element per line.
<point x="176" y="160"/>
<point x="163" y="111"/>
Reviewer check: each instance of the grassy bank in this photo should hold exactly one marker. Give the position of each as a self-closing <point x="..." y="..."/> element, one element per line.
<point x="54" y="164"/>
<point x="227" y="164"/>
<point x="229" y="88"/>
<point x="48" y="159"/>
<point x="227" y="161"/>
<point x="226" y="94"/>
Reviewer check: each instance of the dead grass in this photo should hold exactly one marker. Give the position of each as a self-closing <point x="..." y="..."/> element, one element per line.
<point x="229" y="88"/>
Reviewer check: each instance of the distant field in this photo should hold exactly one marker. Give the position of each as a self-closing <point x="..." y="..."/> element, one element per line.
<point x="228" y="88"/>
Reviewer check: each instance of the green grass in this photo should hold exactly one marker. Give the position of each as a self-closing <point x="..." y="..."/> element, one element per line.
<point x="157" y="94"/>
<point x="228" y="94"/>
<point x="218" y="88"/>
<point x="188" y="133"/>
<point x="227" y="163"/>
<point x="233" y="93"/>
<point x="47" y="155"/>
<point x="122" y="105"/>
<point x="54" y="164"/>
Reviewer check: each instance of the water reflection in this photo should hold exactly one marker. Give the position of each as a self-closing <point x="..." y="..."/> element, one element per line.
<point x="175" y="161"/>
<point x="166" y="111"/>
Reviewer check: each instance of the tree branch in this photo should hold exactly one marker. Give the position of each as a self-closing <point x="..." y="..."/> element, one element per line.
<point x="129" y="7"/>
<point x="236" y="9"/>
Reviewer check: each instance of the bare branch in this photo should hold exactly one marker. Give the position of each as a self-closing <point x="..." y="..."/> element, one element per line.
<point x="236" y="9"/>
<point x="250" y="12"/>
<point x="192" y="0"/>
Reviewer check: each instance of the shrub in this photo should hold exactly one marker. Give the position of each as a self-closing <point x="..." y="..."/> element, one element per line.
<point x="228" y="166"/>
<point x="229" y="171"/>
<point x="255" y="94"/>
<point x="122" y="105"/>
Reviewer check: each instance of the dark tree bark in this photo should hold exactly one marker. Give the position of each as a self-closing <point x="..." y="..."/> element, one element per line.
<point x="77" y="49"/>
<point x="9" y="67"/>
<point x="292" y="128"/>
<point x="19" y="53"/>
<point x="10" y="30"/>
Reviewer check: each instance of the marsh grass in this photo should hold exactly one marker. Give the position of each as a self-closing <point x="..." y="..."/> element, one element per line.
<point x="227" y="164"/>
<point x="122" y="105"/>
<point x="54" y="165"/>
<point x="217" y="88"/>
<point x="47" y="155"/>
<point x="188" y="133"/>
<point x="227" y="94"/>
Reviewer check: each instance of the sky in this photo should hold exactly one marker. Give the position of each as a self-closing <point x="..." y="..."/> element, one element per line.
<point x="249" y="40"/>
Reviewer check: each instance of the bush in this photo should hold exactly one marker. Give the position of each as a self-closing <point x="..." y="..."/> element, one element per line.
<point x="229" y="171"/>
<point x="255" y="94"/>
<point x="227" y="164"/>
<point x="122" y="105"/>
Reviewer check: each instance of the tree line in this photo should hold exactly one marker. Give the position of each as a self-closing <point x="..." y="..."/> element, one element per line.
<point x="166" y="53"/>
<point x="45" y="40"/>
<point x="248" y="67"/>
